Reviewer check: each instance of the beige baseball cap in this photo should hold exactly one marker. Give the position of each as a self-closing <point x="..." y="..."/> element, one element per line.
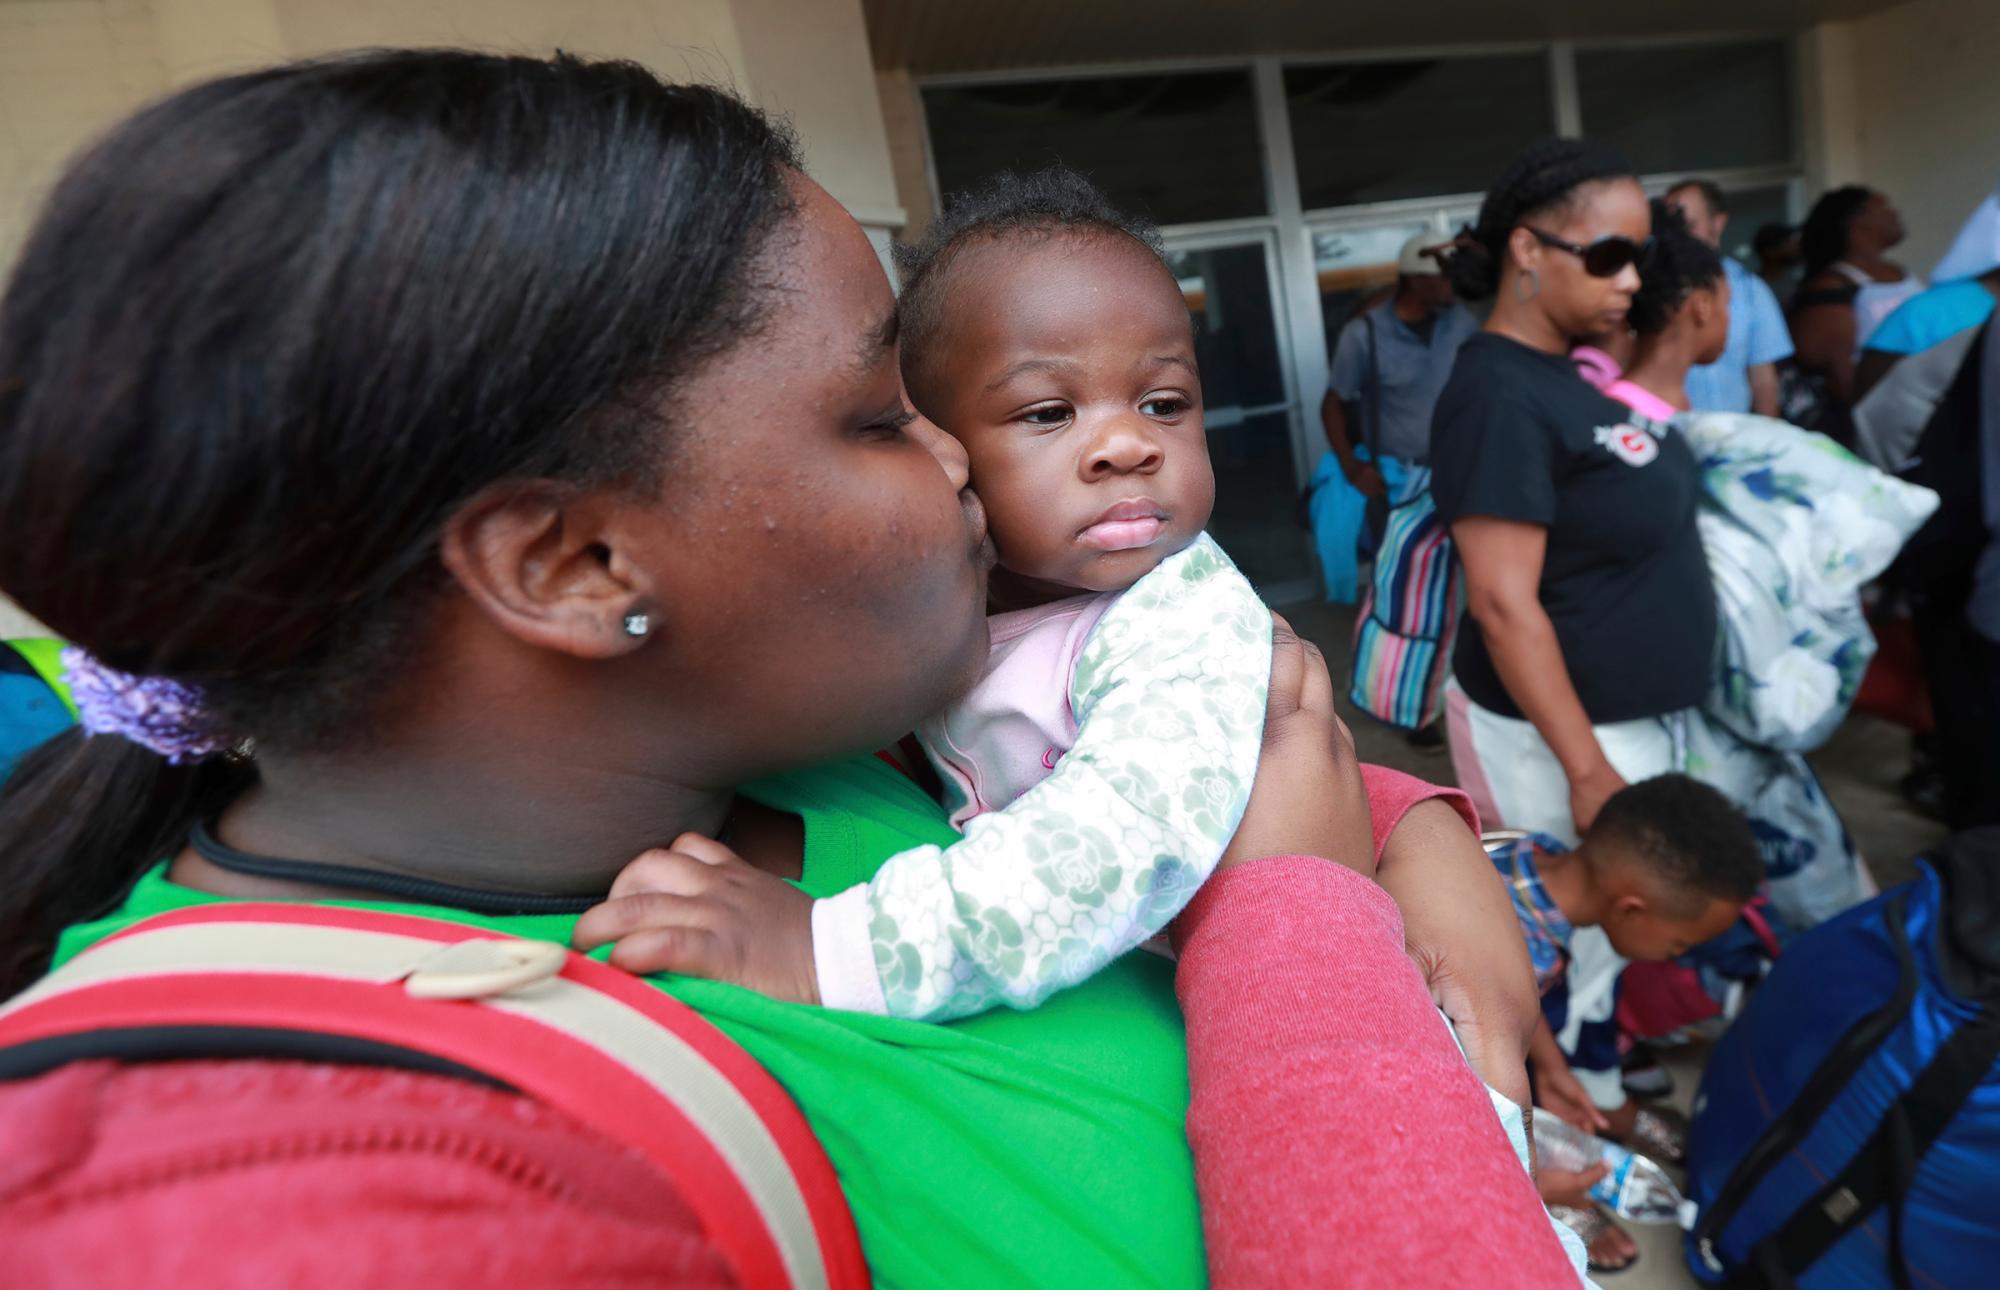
<point x="1411" y="260"/>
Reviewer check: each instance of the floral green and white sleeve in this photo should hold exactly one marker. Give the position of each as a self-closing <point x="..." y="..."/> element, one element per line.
<point x="1169" y="695"/>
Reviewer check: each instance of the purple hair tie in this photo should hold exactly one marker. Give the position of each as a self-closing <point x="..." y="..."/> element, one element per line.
<point x="152" y="711"/>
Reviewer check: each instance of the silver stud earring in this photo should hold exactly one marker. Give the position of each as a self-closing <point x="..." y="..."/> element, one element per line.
<point x="637" y="625"/>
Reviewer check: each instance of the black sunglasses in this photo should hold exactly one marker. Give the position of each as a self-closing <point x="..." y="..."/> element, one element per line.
<point x="1604" y="258"/>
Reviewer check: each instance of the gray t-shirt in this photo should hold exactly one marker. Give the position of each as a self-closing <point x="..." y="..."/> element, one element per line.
<point x="1413" y="368"/>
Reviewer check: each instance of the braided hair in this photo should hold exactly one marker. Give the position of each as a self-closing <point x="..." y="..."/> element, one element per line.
<point x="1681" y="263"/>
<point x="1545" y="177"/>
<point x="1046" y="203"/>
<point x="1823" y="237"/>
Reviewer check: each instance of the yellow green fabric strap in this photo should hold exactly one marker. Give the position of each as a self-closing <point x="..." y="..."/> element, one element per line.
<point x="45" y="656"/>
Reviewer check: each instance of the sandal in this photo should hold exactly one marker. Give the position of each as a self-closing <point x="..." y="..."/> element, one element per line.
<point x="1590" y="1225"/>
<point x="1660" y="1132"/>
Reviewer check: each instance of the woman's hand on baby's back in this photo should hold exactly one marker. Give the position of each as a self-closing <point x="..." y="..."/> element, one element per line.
<point x="699" y="909"/>
<point x="1308" y="798"/>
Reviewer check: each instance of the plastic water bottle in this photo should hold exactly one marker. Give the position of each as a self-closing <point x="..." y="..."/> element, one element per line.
<point x="1636" y="1188"/>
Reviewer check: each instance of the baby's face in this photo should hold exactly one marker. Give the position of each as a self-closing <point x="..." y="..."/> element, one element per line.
<point x="1070" y="378"/>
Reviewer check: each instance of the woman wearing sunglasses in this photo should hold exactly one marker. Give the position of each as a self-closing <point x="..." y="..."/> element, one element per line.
<point x="1573" y="516"/>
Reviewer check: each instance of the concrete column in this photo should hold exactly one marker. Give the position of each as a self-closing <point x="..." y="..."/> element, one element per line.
<point x="1829" y="107"/>
<point x="810" y="62"/>
<point x="909" y="148"/>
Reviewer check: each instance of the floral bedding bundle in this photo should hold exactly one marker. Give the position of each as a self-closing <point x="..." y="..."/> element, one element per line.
<point x="1793" y="525"/>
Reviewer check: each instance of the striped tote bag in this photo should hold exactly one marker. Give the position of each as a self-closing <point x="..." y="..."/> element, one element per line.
<point x="1403" y="635"/>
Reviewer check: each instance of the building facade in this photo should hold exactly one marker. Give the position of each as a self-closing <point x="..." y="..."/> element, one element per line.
<point x="1286" y="150"/>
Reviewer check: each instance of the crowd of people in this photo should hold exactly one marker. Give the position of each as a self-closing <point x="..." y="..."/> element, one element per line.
<point x="1826" y="333"/>
<point x="1584" y="453"/>
<point x="595" y="742"/>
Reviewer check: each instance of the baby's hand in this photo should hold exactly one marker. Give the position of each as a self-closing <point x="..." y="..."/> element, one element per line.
<point x="1570" y="1187"/>
<point x="700" y="909"/>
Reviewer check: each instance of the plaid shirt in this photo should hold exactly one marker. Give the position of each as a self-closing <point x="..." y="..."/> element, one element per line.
<point x="1542" y="924"/>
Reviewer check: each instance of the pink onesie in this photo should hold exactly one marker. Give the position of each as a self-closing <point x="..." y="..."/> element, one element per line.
<point x="1009" y="732"/>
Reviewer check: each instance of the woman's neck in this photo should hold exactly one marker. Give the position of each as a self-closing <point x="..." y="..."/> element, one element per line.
<point x="510" y="769"/>
<point x="468" y="822"/>
<point x="1874" y="265"/>
<point x="1519" y="320"/>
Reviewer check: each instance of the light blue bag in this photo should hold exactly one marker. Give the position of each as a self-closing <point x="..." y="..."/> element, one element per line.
<point x="1336" y="509"/>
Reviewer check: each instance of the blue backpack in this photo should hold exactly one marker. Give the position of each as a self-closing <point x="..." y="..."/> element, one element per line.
<point x="1847" y="1131"/>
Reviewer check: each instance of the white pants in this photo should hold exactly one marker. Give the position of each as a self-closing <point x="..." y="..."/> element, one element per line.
<point x="1515" y="782"/>
<point x="1512" y="774"/>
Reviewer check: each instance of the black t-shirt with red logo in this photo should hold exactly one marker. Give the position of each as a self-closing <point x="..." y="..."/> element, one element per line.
<point x="1518" y="435"/>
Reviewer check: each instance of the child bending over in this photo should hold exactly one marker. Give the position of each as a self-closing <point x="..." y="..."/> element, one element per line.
<point x="1668" y="864"/>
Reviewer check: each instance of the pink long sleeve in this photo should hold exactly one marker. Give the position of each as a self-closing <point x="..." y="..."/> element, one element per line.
<point x="1391" y="794"/>
<point x="1338" y="1135"/>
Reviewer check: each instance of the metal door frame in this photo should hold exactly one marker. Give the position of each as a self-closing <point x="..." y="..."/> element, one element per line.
<point x="1261" y="234"/>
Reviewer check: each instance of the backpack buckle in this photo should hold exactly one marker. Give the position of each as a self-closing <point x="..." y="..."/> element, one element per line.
<point x="484" y="967"/>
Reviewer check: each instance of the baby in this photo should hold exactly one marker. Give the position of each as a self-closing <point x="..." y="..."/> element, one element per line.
<point x="1104" y="761"/>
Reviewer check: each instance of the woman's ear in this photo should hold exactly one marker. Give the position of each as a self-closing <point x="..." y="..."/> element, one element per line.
<point x="534" y="556"/>
<point x="1524" y="250"/>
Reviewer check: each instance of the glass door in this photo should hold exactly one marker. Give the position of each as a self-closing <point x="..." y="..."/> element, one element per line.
<point x="1250" y="406"/>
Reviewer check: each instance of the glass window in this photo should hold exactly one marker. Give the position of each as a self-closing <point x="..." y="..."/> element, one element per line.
<point x="1179" y="148"/>
<point x="1372" y="132"/>
<point x="1245" y="409"/>
<point x="1749" y="210"/>
<point x="1689" y="107"/>
<point x="1357" y="266"/>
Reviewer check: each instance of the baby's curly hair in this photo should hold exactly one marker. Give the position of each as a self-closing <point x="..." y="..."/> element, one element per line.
<point x="1052" y="202"/>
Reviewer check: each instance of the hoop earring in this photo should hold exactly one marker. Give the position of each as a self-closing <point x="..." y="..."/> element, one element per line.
<point x="1533" y="279"/>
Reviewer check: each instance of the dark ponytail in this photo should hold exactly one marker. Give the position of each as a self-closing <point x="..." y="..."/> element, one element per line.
<point x="1544" y="177"/>
<point x="1680" y="263"/>
<point x="79" y="812"/>
<point x="271" y="332"/>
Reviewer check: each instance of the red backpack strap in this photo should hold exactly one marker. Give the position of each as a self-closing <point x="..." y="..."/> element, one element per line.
<point x="612" y="1051"/>
<point x="1753" y="914"/>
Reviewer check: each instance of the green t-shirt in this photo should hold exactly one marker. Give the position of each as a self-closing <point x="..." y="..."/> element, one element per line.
<point x="1011" y="1148"/>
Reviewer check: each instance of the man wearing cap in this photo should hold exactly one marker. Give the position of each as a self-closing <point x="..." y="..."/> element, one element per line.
<point x="1388" y="366"/>
<point x="1745" y="378"/>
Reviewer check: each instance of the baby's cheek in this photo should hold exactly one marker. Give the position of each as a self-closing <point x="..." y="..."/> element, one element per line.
<point x="1025" y="550"/>
<point x="1023" y="527"/>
